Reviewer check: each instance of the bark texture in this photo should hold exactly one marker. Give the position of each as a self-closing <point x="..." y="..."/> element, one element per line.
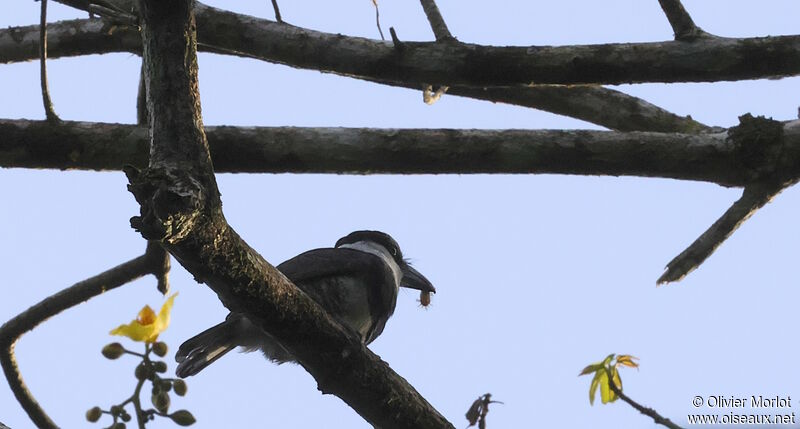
<point x="704" y="157"/>
<point x="180" y="207"/>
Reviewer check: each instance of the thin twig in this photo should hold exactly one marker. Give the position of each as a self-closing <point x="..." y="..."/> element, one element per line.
<point x="26" y="321"/>
<point x="277" y="11"/>
<point x="114" y="15"/>
<point x="48" y="103"/>
<point x="378" y="18"/>
<point x="438" y="25"/>
<point x="753" y="198"/>
<point x="398" y="45"/>
<point x="658" y="418"/>
<point x="682" y="24"/>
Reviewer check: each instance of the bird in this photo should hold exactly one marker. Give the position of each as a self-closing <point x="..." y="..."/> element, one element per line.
<point x="356" y="282"/>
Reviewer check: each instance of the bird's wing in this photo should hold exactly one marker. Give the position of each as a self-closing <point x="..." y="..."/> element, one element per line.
<point x="330" y="262"/>
<point x="307" y="269"/>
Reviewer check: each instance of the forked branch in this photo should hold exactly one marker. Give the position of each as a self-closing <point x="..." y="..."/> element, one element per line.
<point x="753" y="198"/>
<point x="682" y="24"/>
<point x="181" y="208"/>
<point x="151" y="262"/>
<point x="438" y="25"/>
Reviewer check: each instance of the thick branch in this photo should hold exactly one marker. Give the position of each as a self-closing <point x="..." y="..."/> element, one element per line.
<point x="180" y="206"/>
<point x="706" y="60"/>
<point x="609" y="108"/>
<point x="12" y="330"/>
<point x="68" y="39"/>
<point x="92" y="146"/>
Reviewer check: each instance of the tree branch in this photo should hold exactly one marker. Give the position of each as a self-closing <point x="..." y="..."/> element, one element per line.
<point x="50" y="113"/>
<point x="438" y="25"/>
<point x="606" y="107"/>
<point x="98" y="146"/>
<point x="705" y="60"/>
<point x="653" y="414"/>
<point x="682" y="24"/>
<point x="277" y="10"/>
<point x="180" y="206"/>
<point x="762" y="144"/>
<point x="602" y="106"/>
<point x="753" y="198"/>
<point x="82" y="291"/>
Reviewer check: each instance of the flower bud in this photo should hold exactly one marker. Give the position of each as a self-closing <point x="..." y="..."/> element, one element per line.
<point x="142" y="372"/>
<point x="160" y="401"/>
<point x="160" y="366"/>
<point x="182" y="418"/>
<point x="94" y="414"/>
<point x="180" y="387"/>
<point x="113" y="351"/>
<point x="160" y="348"/>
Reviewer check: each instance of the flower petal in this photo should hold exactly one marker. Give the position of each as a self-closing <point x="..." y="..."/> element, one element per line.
<point x="147" y="325"/>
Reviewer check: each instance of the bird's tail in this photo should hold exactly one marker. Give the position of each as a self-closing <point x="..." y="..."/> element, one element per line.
<point x="206" y="347"/>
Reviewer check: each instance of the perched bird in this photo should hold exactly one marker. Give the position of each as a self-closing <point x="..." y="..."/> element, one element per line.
<point x="356" y="282"/>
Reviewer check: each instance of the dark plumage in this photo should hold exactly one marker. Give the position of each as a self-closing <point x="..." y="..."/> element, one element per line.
<point x="356" y="282"/>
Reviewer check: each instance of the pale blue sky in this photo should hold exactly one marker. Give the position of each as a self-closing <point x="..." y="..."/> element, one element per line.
<point x="527" y="267"/>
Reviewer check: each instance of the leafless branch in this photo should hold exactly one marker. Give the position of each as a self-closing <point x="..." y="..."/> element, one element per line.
<point x="712" y="59"/>
<point x="378" y="18"/>
<point x="438" y="25"/>
<point x="606" y="107"/>
<point x="49" y="112"/>
<point x="753" y="198"/>
<point x="705" y="60"/>
<point x="277" y="11"/>
<point x="602" y="106"/>
<point x="657" y="418"/>
<point x="82" y="291"/>
<point x="682" y="24"/>
<point x="181" y="207"/>
<point x="98" y="146"/>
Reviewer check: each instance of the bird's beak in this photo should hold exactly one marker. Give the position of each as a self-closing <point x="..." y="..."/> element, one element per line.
<point x="413" y="279"/>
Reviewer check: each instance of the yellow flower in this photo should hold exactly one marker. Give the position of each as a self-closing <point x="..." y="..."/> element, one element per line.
<point x="147" y="324"/>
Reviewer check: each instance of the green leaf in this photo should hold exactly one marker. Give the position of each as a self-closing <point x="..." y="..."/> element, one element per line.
<point x="606" y="394"/>
<point x="616" y="378"/>
<point x="595" y="384"/>
<point x="591" y="368"/>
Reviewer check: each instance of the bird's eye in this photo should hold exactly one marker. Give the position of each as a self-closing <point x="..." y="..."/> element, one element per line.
<point x="394" y="251"/>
